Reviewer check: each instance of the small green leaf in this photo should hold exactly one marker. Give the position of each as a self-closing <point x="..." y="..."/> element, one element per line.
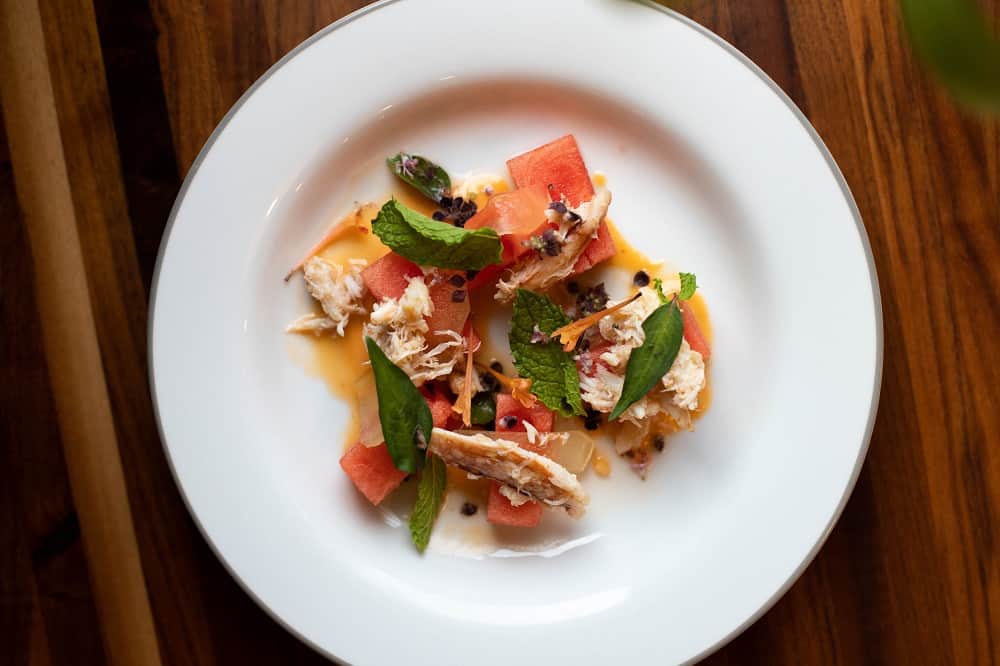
<point x="647" y="364"/>
<point x="484" y="408"/>
<point x="428" y="242"/>
<point x="403" y="413"/>
<point x="430" y="496"/>
<point x="427" y="177"/>
<point x="554" y="379"/>
<point x="689" y="285"/>
<point x="953" y="37"/>
<point x="658" y="285"/>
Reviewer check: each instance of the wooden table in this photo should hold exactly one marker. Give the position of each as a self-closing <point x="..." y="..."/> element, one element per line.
<point x="106" y="106"/>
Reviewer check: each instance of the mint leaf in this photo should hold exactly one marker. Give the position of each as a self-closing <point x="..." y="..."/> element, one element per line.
<point x="428" y="242"/>
<point x="552" y="371"/>
<point x="403" y="413"/>
<point x="689" y="285"/>
<point x="647" y="363"/>
<point x="427" y="177"/>
<point x="430" y="496"/>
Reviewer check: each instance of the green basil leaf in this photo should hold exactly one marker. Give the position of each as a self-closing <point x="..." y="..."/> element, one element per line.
<point x="689" y="285"/>
<point x="647" y="363"/>
<point x="430" y="496"/>
<point x="484" y="408"/>
<point x="554" y="379"/>
<point x="403" y="413"/>
<point x="428" y="242"/>
<point x="427" y="177"/>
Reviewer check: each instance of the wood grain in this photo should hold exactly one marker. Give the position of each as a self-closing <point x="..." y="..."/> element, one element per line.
<point x="45" y="192"/>
<point x="911" y="573"/>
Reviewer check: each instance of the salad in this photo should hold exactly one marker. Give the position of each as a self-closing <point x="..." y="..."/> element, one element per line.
<point x="406" y="292"/>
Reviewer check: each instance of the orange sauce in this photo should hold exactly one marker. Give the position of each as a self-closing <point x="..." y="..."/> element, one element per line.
<point x="601" y="465"/>
<point x="341" y="362"/>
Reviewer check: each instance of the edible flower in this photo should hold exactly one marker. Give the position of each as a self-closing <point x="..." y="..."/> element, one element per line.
<point x="519" y="387"/>
<point x="570" y="333"/>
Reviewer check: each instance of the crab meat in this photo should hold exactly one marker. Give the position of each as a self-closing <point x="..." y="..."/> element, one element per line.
<point x="527" y="473"/>
<point x="539" y="272"/>
<point x="339" y="291"/>
<point x="399" y="328"/>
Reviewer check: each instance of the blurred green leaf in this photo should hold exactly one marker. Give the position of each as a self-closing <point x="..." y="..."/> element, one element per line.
<point x="952" y="36"/>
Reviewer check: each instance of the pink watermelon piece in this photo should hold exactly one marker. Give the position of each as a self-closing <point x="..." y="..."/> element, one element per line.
<point x="449" y="314"/>
<point x="371" y="471"/>
<point x="598" y="250"/>
<point x="500" y="511"/>
<point x="693" y="334"/>
<point x="540" y="416"/>
<point x="438" y="403"/>
<point x="388" y="276"/>
<point x="557" y="165"/>
<point x="560" y="166"/>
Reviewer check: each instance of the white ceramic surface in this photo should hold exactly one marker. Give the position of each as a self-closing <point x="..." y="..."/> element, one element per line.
<point x="712" y="168"/>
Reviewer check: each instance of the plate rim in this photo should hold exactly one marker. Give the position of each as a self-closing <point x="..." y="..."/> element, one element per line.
<point x="731" y="50"/>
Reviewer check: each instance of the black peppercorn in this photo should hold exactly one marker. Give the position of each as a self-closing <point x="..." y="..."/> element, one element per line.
<point x="469" y="509"/>
<point x="489" y="382"/>
<point x="659" y="442"/>
<point x="641" y="279"/>
<point x="458" y="296"/>
<point x="457" y="280"/>
<point x="509" y="421"/>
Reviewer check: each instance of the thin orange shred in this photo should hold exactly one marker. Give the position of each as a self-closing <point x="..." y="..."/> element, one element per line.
<point x="571" y="332"/>
<point x="352" y="223"/>
<point x="520" y="388"/>
<point x="463" y="404"/>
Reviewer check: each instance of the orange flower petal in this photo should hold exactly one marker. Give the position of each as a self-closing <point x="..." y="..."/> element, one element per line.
<point x="570" y="334"/>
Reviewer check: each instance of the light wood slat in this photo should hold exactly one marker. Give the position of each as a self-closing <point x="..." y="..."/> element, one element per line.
<point x="70" y="338"/>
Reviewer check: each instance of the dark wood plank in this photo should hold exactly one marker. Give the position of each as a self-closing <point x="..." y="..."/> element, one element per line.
<point x="47" y="612"/>
<point x="212" y="620"/>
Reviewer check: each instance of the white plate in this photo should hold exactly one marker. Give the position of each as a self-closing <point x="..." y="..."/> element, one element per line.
<point x="712" y="168"/>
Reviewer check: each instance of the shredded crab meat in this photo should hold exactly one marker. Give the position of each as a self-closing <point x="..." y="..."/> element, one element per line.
<point x="456" y="382"/>
<point x="339" y="291"/>
<point x="532" y="432"/>
<point x="671" y="402"/>
<point x="539" y="272"/>
<point x="570" y="333"/>
<point x="526" y="472"/>
<point x="399" y="328"/>
<point x="513" y="496"/>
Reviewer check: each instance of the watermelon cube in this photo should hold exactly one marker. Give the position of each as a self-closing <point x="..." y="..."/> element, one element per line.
<point x="500" y="511"/>
<point x="540" y="416"/>
<point x="449" y="313"/>
<point x="598" y="250"/>
<point x="371" y="470"/>
<point x="388" y="276"/>
<point x="560" y="166"/>
<point x="557" y="165"/>
<point x="438" y="403"/>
